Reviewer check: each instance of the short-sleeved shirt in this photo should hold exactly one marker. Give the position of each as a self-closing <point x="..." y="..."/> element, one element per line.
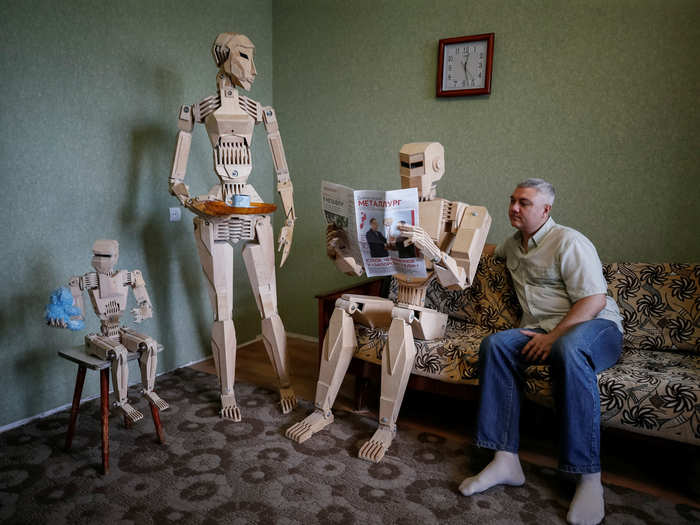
<point x="560" y="267"/>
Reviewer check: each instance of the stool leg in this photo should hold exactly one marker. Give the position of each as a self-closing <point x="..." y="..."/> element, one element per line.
<point x="104" y="413"/>
<point x="156" y="421"/>
<point x="79" y="382"/>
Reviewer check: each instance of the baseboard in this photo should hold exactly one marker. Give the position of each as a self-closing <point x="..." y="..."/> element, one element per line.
<point x="52" y="411"/>
<point x="303" y="337"/>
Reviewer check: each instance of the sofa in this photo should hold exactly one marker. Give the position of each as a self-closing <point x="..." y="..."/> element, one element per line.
<point x="654" y="389"/>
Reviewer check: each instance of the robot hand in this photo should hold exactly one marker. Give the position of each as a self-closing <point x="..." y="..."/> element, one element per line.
<point x="284" y="243"/>
<point x="336" y="240"/>
<point x="181" y="191"/>
<point x="336" y="249"/>
<point x="143" y="311"/>
<point x="417" y="235"/>
<point x="61" y="311"/>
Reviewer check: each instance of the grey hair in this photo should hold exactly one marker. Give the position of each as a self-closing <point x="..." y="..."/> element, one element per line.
<point x="541" y="186"/>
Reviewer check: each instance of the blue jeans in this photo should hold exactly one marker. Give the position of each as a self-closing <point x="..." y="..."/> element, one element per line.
<point x="575" y="359"/>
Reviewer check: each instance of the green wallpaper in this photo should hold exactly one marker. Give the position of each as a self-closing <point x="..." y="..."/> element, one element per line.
<point x="90" y="97"/>
<point x="599" y="97"/>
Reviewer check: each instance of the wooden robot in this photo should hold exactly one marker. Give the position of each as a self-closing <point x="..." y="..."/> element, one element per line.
<point x="108" y="292"/>
<point x="451" y="237"/>
<point x="233" y="211"/>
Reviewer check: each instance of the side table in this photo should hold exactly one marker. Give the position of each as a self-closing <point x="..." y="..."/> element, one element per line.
<point x="84" y="361"/>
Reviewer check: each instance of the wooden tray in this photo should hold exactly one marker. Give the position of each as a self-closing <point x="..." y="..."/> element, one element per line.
<point x="219" y="208"/>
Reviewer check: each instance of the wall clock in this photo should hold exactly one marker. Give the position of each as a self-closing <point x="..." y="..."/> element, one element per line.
<point x="464" y="65"/>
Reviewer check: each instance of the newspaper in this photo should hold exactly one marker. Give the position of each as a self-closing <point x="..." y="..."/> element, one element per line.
<point x="371" y="219"/>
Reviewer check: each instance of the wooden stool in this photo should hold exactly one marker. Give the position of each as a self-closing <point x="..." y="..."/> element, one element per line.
<point x="84" y="360"/>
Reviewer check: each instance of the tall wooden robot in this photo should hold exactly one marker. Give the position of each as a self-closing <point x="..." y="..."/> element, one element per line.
<point x="232" y="211"/>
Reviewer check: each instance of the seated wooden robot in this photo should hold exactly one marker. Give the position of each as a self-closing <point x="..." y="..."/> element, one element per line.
<point x="233" y="211"/>
<point x="451" y="236"/>
<point x="108" y="292"/>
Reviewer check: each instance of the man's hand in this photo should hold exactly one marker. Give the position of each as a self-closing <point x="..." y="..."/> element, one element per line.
<point x="284" y="243"/>
<point x="539" y="347"/>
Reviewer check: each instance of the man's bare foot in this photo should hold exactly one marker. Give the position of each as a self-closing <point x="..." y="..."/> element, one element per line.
<point x="306" y="428"/>
<point x="374" y="449"/>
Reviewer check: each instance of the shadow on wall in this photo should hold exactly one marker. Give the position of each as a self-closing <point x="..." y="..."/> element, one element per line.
<point x="34" y="361"/>
<point x="175" y="286"/>
<point x="172" y="266"/>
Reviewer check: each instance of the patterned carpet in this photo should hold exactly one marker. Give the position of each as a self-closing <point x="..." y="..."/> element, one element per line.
<point x="212" y="471"/>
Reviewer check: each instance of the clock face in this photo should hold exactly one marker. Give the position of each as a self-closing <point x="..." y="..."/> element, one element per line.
<point x="464" y="65"/>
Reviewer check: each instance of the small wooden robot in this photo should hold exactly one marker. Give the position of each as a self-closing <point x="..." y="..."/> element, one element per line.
<point x="233" y="211"/>
<point x="451" y="237"/>
<point x="108" y="292"/>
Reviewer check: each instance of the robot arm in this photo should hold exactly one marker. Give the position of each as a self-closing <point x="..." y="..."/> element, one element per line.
<point x="455" y="270"/>
<point x="189" y="115"/>
<point x="449" y="274"/>
<point x="467" y="246"/>
<point x="144" y="309"/>
<point x="284" y="183"/>
<point x="76" y="285"/>
<point x="182" y="152"/>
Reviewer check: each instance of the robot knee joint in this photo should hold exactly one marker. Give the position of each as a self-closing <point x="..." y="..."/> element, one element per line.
<point x="408" y="316"/>
<point x="350" y="307"/>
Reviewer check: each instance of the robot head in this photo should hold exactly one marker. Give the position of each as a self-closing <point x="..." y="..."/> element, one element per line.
<point x="422" y="165"/>
<point x="105" y="255"/>
<point x="233" y="53"/>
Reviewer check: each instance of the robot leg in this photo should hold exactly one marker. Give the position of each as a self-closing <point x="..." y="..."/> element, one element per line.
<point x="338" y="347"/>
<point x="148" y="362"/>
<point x="259" y="260"/>
<point x="106" y="348"/>
<point x="397" y="363"/>
<point x="216" y="259"/>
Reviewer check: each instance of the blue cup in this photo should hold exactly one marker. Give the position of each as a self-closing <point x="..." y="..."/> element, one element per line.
<point x="241" y="201"/>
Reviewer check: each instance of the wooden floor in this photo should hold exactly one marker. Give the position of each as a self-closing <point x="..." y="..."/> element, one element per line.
<point x="665" y="469"/>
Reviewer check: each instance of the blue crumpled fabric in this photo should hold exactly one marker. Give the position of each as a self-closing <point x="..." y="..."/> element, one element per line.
<point x="62" y="308"/>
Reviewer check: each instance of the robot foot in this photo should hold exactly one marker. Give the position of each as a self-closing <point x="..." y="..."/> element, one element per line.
<point x="156" y="400"/>
<point x="306" y="428"/>
<point x="229" y="408"/>
<point x="374" y="449"/>
<point x="130" y="412"/>
<point x="288" y="400"/>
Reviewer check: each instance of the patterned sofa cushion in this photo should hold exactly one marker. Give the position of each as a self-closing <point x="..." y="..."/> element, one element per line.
<point x="452" y="359"/>
<point x="660" y="304"/>
<point x="647" y="392"/>
<point x="490" y="302"/>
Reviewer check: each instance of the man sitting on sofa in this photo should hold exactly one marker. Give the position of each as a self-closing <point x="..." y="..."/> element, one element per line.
<point x="569" y="323"/>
